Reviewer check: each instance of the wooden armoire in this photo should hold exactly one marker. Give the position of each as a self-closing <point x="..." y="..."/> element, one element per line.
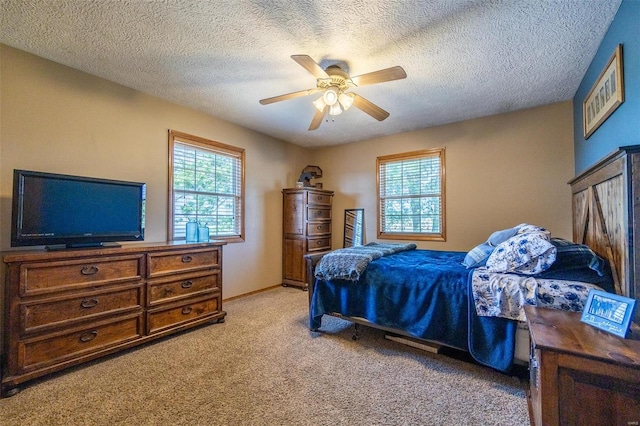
<point x="606" y="216"/>
<point x="306" y="229"/>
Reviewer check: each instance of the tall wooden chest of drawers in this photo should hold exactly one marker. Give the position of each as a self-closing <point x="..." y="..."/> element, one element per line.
<point x="66" y="307"/>
<point x="306" y="229"/>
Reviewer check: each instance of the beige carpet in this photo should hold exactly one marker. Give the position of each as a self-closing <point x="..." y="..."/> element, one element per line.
<point x="264" y="367"/>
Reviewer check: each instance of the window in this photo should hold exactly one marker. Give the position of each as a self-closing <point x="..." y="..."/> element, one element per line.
<point x="411" y="195"/>
<point x="206" y="183"/>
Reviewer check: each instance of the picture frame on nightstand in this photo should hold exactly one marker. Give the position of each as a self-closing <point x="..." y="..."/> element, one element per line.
<point x="609" y="312"/>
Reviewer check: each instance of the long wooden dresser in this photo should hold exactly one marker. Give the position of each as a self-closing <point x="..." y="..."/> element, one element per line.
<point x="306" y="229"/>
<point x="63" y="308"/>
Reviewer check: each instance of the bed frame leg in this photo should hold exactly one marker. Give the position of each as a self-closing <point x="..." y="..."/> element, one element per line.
<point x="356" y="331"/>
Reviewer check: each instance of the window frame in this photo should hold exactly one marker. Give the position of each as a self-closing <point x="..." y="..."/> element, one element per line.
<point x="419" y="236"/>
<point x="211" y="146"/>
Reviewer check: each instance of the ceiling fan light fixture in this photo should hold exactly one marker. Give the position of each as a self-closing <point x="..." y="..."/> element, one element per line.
<point x="346" y="100"/>
<point x="330" y="96"/>
<point x="335" y="109"/>
<point x="319" y="103"/>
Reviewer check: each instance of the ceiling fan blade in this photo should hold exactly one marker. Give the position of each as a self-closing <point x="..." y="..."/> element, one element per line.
<point x="310" y="65"/>
<point x="387" y="74"/>
<point x="317" y="118"/>
<point x="288" y="96"/>
<point x="370" y="108"/>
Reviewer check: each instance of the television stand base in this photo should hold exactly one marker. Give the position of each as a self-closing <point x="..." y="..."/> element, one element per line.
<point x="81" y="246"/>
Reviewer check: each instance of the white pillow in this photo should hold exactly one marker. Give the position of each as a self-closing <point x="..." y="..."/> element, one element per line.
<point x="528" y="254"/>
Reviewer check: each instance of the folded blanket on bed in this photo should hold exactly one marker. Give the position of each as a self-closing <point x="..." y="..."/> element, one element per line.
<point x="505" y="295"/>
<point x="349" y="263"/>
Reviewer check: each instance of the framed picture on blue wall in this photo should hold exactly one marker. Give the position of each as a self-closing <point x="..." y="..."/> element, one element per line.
<point x="605" y="96"/>
<point x="609" y="312"/>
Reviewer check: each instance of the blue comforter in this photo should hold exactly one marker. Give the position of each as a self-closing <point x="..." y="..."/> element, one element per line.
<point x="425" y="293"/>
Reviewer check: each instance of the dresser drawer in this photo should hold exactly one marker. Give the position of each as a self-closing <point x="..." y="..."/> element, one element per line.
<point x="56" y="348"/>
<point x="318" y="198"/>
<point x="55" y="312"/>
<point x="163" y="263"/>
<point x="162" y="319"/>
<point x="39" y="278"/>
<point x="318" y="228"/>
<point x="316" y="244"/>
<point x="348" y="233"/>
<point x="318" y="213"/>
<point x="166" y="290"/>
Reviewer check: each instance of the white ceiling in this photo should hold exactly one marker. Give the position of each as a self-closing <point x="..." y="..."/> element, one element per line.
<point x="464" y="59"/>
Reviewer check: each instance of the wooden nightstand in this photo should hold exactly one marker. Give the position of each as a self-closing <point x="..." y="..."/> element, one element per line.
<point x="579" y="374"/>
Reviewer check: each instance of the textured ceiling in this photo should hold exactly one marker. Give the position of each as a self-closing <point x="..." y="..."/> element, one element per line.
<point x="464" y="59"/>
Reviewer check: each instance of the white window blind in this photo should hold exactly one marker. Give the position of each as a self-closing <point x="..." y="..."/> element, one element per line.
<point x="411" y="195"/>
<point x="207" y="185"/>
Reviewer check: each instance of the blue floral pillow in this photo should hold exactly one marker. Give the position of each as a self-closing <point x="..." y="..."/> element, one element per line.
<point x="528" y="254"/>
<point x="478" y="255"/>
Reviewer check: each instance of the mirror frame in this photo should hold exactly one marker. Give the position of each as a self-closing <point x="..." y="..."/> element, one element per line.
<point x="353" y="227"/>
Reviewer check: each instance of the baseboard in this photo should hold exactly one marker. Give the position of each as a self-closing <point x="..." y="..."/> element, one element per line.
<point x="251" y="293"/>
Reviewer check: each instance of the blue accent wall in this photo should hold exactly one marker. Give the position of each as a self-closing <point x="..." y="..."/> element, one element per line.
<point x="622" y="128"/>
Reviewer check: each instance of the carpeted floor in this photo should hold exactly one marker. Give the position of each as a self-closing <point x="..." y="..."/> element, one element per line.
<point x="264" y="367"/>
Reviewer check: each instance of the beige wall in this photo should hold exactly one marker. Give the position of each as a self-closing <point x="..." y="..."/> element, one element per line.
<point x="500" y="171"/>
<point x="61" y="120"/>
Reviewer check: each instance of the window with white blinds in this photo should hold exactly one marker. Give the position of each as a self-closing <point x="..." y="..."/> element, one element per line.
<point x="411" y="195"/>
<point x="206" y="185"/>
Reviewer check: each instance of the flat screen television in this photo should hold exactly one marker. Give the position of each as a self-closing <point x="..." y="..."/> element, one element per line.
<point x="64" y="211"/>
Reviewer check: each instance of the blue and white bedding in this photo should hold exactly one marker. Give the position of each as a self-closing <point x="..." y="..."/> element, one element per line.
<point x="505" y="295"/>
<point x="425" y="293"/>
<point x="432" y="294"/>
<point x="525" y="266"/>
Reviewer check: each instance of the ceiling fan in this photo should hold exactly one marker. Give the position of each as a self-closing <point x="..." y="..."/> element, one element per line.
<point x="334" y="83"/>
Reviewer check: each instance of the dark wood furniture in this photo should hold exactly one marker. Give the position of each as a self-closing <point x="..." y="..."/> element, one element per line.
<point x="353" y="227"/>
<point x="606" y="211"/>
<point x="306" y="229"/>
<point x="63" y="308"/>
<point x="580" y="375"/>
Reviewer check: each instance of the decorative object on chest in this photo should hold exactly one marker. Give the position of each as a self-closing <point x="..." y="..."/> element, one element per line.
<point x="580" y="375"/>
<point x="64" y="308"/>
<point x="306" y="229"/>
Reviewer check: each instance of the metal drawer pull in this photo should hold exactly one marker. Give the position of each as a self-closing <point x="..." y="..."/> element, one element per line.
<point x="187" y="310"/>
<point x="89" y="303"/>
<point x="186" y="259"/>
<point x="186" y="284"/>
<point x="89" y="270"/>
<point x="319" y="227"/>
<point x="88" y="336"/>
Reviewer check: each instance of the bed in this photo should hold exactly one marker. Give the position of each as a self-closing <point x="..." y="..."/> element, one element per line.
<point x="462" y="300"/>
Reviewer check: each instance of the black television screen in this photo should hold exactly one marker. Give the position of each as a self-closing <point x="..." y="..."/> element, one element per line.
<point x="74" y="211"/>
